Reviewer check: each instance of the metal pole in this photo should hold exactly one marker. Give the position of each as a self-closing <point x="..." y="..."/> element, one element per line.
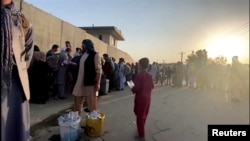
<point x="21" y="2"/>
<point x="182" y="55"/>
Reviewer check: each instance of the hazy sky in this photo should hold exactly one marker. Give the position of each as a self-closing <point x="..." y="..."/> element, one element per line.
<point x="161" y="29"/>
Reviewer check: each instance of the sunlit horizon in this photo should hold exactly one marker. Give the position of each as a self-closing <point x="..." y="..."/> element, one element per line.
<point x="229" y="46"/>
<point x="160" y="30"/>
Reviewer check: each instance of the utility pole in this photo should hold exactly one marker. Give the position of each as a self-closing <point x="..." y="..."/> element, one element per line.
<point x="21" y="5"/>
<point x="182" y="55"/>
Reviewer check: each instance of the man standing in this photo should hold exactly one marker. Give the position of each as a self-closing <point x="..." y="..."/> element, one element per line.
<point x="122" y="78"/>
<point x="52" y="51"/>
<point x="108" y="69"/>
<point x="78" y="52"/>
<point x="52" y="60"/>
<point x="16" y="54"/>
<point x="153" y="71"/>
<point x="67" y="45"/>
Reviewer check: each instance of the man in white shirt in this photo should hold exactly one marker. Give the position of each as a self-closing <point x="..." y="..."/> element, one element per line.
<point x="67" y="45"/>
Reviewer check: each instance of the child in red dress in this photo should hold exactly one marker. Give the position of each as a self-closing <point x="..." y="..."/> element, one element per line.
<point x="142" y="89"/>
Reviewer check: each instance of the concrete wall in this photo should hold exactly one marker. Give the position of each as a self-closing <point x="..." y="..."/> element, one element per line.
<point x="50" y="30"/>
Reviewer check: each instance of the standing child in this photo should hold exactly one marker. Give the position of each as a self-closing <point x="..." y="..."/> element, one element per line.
<point x="142" y="90"/>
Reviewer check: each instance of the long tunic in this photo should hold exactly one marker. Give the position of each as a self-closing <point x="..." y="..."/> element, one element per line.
<point x="122" y="78"/>
<point x="38" y="78"/>
<point x="80" y="89"/>
<point x="61" y="75"/>
<point x="153" y="71"/>
<point x="142" y="90"/>
<point x="15" y="112"/>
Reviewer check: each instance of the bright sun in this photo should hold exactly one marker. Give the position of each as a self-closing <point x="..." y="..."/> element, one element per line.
<point x="227" y="47"/>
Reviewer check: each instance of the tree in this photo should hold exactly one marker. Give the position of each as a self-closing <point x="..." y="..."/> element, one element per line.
<point x="220" y="60"/>
<point x="191" y="58"/>
<point x="198" y="58"/>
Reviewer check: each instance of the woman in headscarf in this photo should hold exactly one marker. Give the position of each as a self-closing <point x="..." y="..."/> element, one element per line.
<point x="89" y="78"/>
<point x="38" y="77"/>
<point x="16" y="54"/>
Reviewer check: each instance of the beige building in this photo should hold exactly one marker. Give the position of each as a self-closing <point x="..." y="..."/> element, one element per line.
<point x="49" y="30"/>
<point x="108" y="34"/>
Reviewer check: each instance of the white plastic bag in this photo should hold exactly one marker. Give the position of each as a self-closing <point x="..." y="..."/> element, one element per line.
<point x="94" y="115"/>
<point x="69" y="119"/>
<point x="130" y="84"/>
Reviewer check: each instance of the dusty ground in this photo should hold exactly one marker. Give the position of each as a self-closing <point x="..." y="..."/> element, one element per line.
<point x="176" y="114"/>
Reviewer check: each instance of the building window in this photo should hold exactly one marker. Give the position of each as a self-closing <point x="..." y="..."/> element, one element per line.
<point x="114" y="41"/>
<point x="100" y="37"/>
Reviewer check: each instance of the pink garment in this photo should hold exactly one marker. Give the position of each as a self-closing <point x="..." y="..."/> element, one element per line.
<point x="142" y="90"/>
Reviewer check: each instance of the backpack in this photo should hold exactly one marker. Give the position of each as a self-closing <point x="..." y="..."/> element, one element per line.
<point x="53" y="62"/>
<point x="127" y="69"/>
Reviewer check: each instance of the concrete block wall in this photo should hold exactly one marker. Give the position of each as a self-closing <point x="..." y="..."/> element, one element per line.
<point x="47" y="28"/>
<point x="50" y="30"/>
<point x="117" y="53"/>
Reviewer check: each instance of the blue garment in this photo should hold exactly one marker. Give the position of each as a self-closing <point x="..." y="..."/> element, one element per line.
<point x="50" y="53"/>
<point x="15" y="117"/>
<point x="121" y="75"/>
<point x="74" y="69"/>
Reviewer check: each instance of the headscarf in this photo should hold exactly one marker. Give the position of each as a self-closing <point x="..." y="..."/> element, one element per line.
<point x="9" y="14"/>
<point x="89" y="46"/>
<point x="6" y="45"/>
<point x="36" y="48"/>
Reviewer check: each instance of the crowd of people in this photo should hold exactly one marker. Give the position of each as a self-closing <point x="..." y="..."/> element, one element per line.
<point x="84" y="73"/>
<point x="56" y="73"/>
<point x="231" y="78"/>
<point x="59" y="71"/>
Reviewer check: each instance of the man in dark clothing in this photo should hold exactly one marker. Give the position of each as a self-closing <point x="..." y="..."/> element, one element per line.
<point x="108" y="70"/>
<point x="74" y="68"/>
<point x="53" y="50"/>
<point x="52" y="60"/>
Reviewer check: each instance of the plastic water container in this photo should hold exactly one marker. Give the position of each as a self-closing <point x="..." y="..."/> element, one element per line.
<point x="94" y="127"/>
<point x="107" y="86"/>
<point x="70" y="131"/>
